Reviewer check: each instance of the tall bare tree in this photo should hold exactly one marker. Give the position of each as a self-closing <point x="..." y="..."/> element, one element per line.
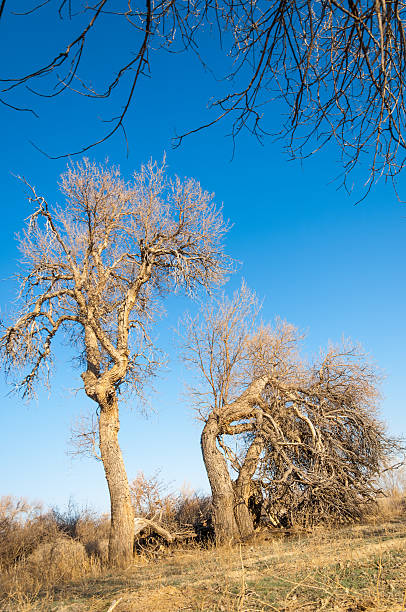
<point x="94" y="270"/>
<point x="303" y="436"/>
<point x="337" y="66"/>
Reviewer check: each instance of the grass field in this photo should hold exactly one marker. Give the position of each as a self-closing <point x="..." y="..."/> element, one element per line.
<point x="352" y="569"/>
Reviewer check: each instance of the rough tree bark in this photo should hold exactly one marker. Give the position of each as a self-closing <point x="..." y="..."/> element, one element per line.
<point x="100" y="388"/>
<point x="122" y="514"/>
<point x="232" y="518"/>
<point x="243" y="488"/>
<point x="94" y="270"/>
<point x="306" y="436"/>
<point x="220" y="482"/>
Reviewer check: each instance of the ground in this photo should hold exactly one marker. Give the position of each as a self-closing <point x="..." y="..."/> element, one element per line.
<point x="351" y="569"/>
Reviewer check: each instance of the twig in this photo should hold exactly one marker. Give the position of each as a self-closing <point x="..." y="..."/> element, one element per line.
<point x="114" y="604"/>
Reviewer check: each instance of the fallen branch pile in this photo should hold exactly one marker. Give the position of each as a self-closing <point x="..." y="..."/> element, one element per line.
<point x="147" y="528"/>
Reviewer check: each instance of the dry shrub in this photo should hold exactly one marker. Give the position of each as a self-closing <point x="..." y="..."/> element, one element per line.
<point x="22" y="528"/>
<point x="152" y="499"/>
<point x="51" y="565"/>
<point x="61" y="560"/>
<point x="86" y="527"/>
<point x="93" y="527"/>
<point x="193" y="509"/>
<point x="67" y="520"/>
<point x="93" y="532"/>
<point x="38" y="550"/>
<point x="98" y="549"/>
<point x="391" y="501"/>
<point x="81" y="523"/>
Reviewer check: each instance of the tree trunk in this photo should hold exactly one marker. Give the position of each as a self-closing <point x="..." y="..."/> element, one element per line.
<point x="122" y="516"/>
<point x="225" y="525"/>
<point x="242" y="514"/>
<point x="243" y="488"/>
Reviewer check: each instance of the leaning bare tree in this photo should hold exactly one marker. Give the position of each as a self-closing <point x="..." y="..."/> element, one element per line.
<point x="323" y="447"/>
<point x="94" y="270"/>
<point x="336" y="67"/>
<point x="300" y="437"/>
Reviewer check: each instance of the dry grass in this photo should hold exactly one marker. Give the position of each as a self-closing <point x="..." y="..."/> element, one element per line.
<point x="54" y="561"/>
<point x="39" y="551"/>
<point x="352" y="569"/>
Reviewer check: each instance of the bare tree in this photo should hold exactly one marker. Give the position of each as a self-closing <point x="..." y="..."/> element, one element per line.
<point x="323" y="445"/>
<point x="94" y="270"/>
<point x="337" y="66"/>
<point x="303" y="436"/>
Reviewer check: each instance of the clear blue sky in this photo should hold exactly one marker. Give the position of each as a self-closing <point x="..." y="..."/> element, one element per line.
<point x="322" y="263"/>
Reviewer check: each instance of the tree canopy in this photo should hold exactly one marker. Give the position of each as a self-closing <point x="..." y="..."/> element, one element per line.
<point x="300" y="437"/>
<point x="94" y="270"/>
<point x="336" y="67"/>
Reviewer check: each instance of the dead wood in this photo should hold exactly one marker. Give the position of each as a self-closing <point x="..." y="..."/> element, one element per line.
<point x="151" y="536"/>
<point x="303" y="438"/>
<point x="141" y="524"/>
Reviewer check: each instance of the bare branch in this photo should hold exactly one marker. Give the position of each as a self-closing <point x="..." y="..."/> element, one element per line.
<point x="335" y="67"/>
<point x="100" y="262"/>
<point x="309" y="441"/>
<point x="95" y="270"/>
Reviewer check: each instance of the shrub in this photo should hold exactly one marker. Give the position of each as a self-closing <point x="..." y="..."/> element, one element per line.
<point x="39" y="550"/>
<point x="59" y="560"/>
<point x="22" y="528"/>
